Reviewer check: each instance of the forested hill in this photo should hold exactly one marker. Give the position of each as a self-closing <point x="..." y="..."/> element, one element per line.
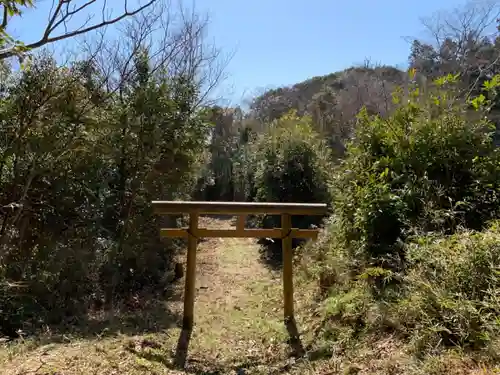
<point x="465" y="48"/>
<point x="334" y="100"/>
<point x="349" y="88"/>
<point x="341" y="94"/>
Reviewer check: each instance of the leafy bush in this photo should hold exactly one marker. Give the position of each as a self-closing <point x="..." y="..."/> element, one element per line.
<point x="289" y="163"/>
<point x="447" y="297"/>
<point x="409" y="249"/>
<point x="77" y="178"/>
<point x="430" y="166"/>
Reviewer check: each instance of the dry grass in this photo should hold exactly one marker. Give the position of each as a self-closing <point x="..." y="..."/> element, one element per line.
<point x="238" y="326"/>
<point x="238" y="330"/>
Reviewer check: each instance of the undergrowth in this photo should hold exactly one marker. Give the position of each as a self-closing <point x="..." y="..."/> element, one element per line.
<point x="413" y="248"/>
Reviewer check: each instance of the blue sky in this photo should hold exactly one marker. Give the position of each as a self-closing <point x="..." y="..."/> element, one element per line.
<point x="281" y="42"/>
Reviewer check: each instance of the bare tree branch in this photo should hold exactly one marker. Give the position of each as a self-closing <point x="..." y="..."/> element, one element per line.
<point x="463" y="43"/>
<point x="176" y="44"/>
<point x="61" y="13"/>
<point x="5" y="18"/>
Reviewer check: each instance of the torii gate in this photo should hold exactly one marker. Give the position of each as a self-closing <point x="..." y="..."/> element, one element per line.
<point x="241" y="209"/>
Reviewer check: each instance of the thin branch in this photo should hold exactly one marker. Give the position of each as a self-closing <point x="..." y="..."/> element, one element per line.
<point x="58" y="18"/>
<point x="67" y="16"/>
<point x="480" y="75"/>
<point x="5" y="18"/>
<point x="52" y="20"/>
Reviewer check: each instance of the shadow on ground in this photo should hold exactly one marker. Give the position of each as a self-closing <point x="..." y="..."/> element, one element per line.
<point x="148" y="314"/>
<point x="208" y="366"/>
<point x="271" y="254"/>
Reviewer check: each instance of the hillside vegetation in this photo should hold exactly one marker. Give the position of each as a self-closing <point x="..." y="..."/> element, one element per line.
<point x="403" y="279"/>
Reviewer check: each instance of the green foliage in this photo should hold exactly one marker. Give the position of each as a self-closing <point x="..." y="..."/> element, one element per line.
<point x="451" y="289"/>
<point x="430" y="166"/>
<point x="79" y="166"/>
<point x="291" y="163"/>
<point x="218" y="182"/>
<point x="447" y="297"/>
<point x="13" y="8"/>
<point x="411" y="248"/>
<point x="288" y="163"/>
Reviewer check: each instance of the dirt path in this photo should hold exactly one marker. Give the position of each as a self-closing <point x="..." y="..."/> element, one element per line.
<point x="238" y="330"/>
<point x="238" y="325"/>
<point x="238" y="317"/>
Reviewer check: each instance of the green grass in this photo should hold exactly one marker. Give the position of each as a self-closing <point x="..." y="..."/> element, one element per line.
<point x="238" y="330"/>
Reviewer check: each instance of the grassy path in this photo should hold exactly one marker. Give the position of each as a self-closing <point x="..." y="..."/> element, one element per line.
<point x="238" y="330"/>
<point x="237" y="311"/>
<point x="238" y="326"/>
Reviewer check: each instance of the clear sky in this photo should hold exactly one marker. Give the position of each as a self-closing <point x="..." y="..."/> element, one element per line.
<point x="281" y="42"/>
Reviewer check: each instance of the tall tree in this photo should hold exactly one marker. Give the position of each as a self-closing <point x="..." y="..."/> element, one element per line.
<point x="464" y="41"/>
<point x="84" y="149"/>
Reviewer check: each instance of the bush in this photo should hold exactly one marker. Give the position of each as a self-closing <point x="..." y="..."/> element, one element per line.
<point x="289" y="163"/>
<point x="430" y="166"/>
<point x="448" y="296"/>
<point x="409" y="248"/>
<point x="77" y="179"/>
<point x="451" y="289"/>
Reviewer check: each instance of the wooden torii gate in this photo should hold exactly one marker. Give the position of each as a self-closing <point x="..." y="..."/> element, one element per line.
<point x="240" y="209"/>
